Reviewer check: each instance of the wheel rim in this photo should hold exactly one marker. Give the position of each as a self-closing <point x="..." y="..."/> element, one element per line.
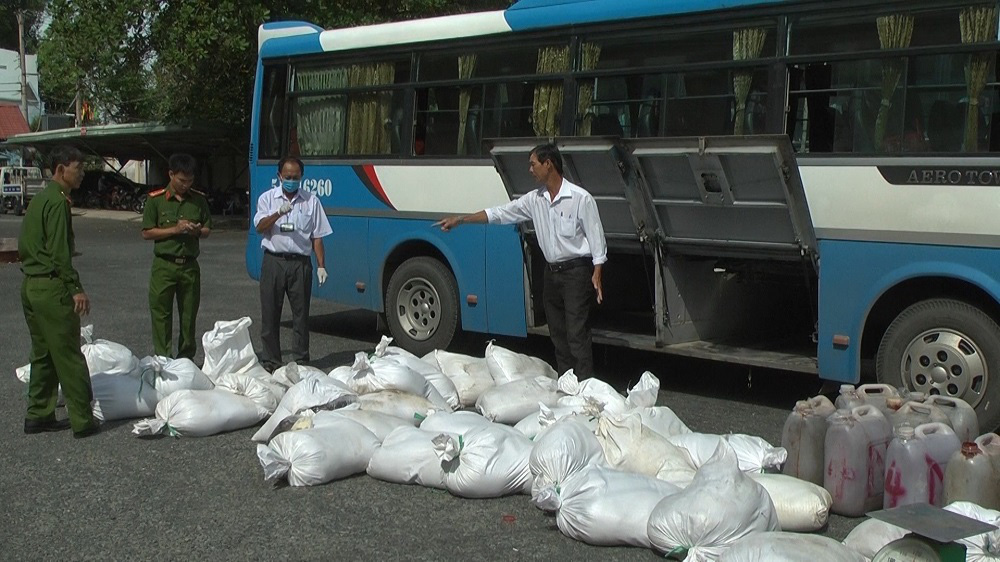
<point x="418" y="308"/>
<point x="947" y="363"/>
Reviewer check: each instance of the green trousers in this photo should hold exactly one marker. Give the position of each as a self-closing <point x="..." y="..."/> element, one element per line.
<point x="56" y="358"/>
<point x="168" y="282"/>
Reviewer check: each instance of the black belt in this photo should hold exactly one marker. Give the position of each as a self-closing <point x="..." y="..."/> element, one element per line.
<point x="570" y="264"/>
<point x="287" y="255"/>
<point x="50" y="275"/>
<point x="179" y="260"/>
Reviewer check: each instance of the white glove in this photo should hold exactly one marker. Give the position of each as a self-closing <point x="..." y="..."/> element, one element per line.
<point x="286" y="208"/>
<point x="321" y="275"/>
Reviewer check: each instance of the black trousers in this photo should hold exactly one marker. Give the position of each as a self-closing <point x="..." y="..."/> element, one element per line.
<point x="280" y="277"/>
<point x="568" y="297"/>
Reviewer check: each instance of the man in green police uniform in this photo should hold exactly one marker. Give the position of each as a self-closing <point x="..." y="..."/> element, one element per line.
<point x="176" y="218"/>
<point x="53" y="301"/>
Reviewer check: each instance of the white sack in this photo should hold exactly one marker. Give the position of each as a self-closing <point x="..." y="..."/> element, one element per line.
<point x="396" y="403"/>
<point x="788" y="547"/>
<point x="291" y="374"/>
<point x="721" y="506"/>
<point x="802" y="506"/>
<point x="228" y="348"/>
<point x="485" y="462"/>
<point x="534" y="424"/>
<point x="377" y="374"/>
<point x="605" y="507"/>
<point x="381" y="425"/>
<point x="320" y="392"/>
<point x="428" y="370"/>
<point x="644" y="393"/>
<point x="593" y="393"/>
<point x="506" y="365"/>
<point x="407" y="456"/>
<point x="198" y="413"/>
<point x="630" y="446"/>
<point x="565" y="449"/>
<point x="258" y="372"/>
<point x="754" y="453"/>
<point x="258" y="391"/>
<point x="470" y="375"/>
<point x="510" y="402"/>
<point x="662" y="420"/>
<point x="455" y="423"/>
<point x="122" y="397"/>
<point x="318" y="455"/>
<point x="105" y="356"/>
<point x="170" y="375"/>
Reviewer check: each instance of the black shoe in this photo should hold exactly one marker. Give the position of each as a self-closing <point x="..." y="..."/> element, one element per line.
<point x="87" y="432"/>
<point x="32" y="427"/>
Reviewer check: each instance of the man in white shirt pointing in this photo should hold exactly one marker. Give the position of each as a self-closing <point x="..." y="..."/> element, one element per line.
<point x="292" y="224"/>
<point x="571" y="237"/>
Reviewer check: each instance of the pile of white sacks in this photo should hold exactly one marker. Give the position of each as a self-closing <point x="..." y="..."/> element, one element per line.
<point x="615" y="470"/>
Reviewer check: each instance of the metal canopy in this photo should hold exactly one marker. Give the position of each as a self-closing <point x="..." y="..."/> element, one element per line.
<point x="135" y="141"/>
<point x="708" y="196"/>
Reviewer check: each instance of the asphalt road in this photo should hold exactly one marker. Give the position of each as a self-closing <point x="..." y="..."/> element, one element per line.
<point x="115" y="496"/>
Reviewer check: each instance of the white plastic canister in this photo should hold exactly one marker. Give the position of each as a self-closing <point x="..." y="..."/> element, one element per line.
<point x="941" y="444"/>
<point x="905" y="470"/>
<point x="848" y="398"/>
<point x="877" y="394"/>
<point x="961" y="415"/>
<point x="971" y="476"/>
<point x="854" y="450"/>
<point x="803" y="437"/>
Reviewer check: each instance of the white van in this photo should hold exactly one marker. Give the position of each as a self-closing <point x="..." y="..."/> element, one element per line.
<point x="18" y="184"/>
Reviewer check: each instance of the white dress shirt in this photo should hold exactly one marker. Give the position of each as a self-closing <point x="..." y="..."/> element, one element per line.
<point x="307" y="219"/>
<point x="567" y="226"/>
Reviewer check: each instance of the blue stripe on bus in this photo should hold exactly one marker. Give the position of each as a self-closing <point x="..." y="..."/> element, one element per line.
<point x="538" y="14"/>
<point x="268" y="26"/>
<point x="854" y="275"/>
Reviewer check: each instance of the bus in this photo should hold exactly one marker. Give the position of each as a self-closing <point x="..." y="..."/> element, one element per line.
<point x="808" y="185"/>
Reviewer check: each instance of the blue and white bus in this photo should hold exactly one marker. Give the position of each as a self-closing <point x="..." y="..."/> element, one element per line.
<point x="811" y="185"/>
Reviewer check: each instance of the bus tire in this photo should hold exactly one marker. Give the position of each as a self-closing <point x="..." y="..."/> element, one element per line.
<point x="421" y="305"/>
<point x="946" y="347"/>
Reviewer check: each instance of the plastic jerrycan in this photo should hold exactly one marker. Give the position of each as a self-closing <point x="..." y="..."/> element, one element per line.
<point x="854" y="452"/>
<point x="803" y="437"/>
<point x="905" y="469"/>
<point x="961" y="415"/>
<point x="941" y="444"/>
<point x="877" y="394"/>
<point x="971" y="476"/>
<point x="848" y="398"/>
<point x="918" y="413"/>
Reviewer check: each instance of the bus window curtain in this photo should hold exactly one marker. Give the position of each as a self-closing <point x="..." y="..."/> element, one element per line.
<point x="747" y="44"/>
<point x="547" y="110"/>
<point x="590" y="54"/>
<point x="979" y="25"/>
<point x="320" y="119"/>
<point x="368" y="116"/>
<point x="466" y="67"/>
<point x="894" y="32"/>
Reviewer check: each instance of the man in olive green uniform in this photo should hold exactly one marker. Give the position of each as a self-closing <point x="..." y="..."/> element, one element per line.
<point x="176" y="218"/>
<point x="53" y="301"/>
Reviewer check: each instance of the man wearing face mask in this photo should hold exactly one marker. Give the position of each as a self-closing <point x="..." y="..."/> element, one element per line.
<point x="292" y="224"/>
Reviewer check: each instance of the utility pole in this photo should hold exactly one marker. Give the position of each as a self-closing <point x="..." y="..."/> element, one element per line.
<point x="24" y="70"/>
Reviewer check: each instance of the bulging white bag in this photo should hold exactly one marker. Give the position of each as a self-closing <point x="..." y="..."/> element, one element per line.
<point x="430" y="371"/>
<point x="721" y="506"/>
<point x="535" y="423"/>
<point x="603" y="506"/>
<point x="630" y="446"/>
<point x="644" y="393"/>
<point x="455" y="423"/>
<point x="485" y="462"/>
<point x="170" y="375"/>
<point x="510" y="402"/>
<point x="387" y="374"/>
<point x="315" y="456"/>
<point x="105" y="356"/>
<point x="320" y="392"/>
<point x="802" y="506"/>
<point x="984" y="547"/>
<point x="566" y="448"/>
<point x="122" y="397"/>
<point x="470" y="375"/>
<point x="199" y="413"/>
<point x="258" y="391"/>
<point x="407" y="456"/>
<point x="779" y="546"/>
<point x="228" y="348"/>
<point x="381" y="425"/>
<point x="662" y="420"/>
<point x="593" y="392"/>
<point x="403" y="405"/>
<point x="291" y="374"/>
<point x="754" y="453"/>
<point x="506" y="365"/>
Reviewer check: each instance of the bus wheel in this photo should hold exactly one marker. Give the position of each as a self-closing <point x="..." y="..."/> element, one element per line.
<point x="945" y="347"/>
<point x="421" y="305"/>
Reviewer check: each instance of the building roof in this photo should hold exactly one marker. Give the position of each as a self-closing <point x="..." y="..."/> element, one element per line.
<point x="11" y="121"/>
<point x="136" y="141"/>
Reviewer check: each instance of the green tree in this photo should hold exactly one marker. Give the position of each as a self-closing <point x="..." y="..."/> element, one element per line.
<point x="100" y="50"/>
<point x="33" y="13"/>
